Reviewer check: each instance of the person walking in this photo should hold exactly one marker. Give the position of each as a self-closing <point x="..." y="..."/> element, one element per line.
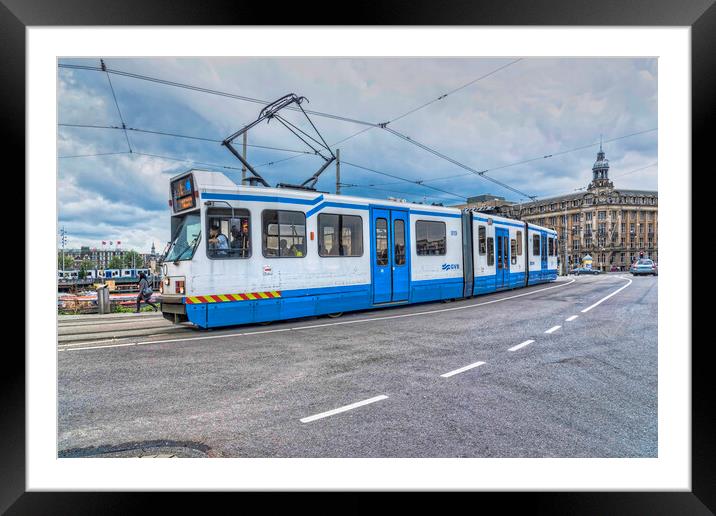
<point x="145" y="292"/>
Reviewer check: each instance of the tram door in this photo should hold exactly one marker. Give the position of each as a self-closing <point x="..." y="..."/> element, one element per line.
<point x="391" y="274"/>
<point x="543" y="255"/>
<point x="503" y="258"/>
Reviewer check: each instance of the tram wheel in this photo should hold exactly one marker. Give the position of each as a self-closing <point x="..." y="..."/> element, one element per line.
<point x="335" y="315"/>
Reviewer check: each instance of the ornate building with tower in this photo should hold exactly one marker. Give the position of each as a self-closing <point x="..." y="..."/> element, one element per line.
<point x="614" y="226"/>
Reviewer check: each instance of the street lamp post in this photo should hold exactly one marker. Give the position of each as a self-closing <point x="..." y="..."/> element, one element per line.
<point x="63" y="240"/>
<point x="566" y="237"/>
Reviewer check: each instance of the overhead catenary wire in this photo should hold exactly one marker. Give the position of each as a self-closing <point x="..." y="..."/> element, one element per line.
<point x="392" y="190"/>
<point x="172" y="158"/>
<point x="636" y="170"/>
<point x="114" y="96"/>
<point x="457" y="163"/>
<point x="426" y="104"/>
<point x="93" y="155"/>
<point x="176" y="135"/>
<point x="444" y="95"/>
<point x="147" y="154"/>
<point x="211" y="91"/>
<point x="561" y="193"/>
<point x="250" y="99"/>
<point x="538" y="158"/>
<point x="343" y="162"/>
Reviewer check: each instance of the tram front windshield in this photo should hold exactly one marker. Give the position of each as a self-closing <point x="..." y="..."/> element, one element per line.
<point x="186" y="238"/>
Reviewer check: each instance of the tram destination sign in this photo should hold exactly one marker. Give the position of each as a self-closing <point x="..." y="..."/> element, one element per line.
<point x="183" y="193"/>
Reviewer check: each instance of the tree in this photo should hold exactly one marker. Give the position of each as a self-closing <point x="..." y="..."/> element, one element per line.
<point x="85" y="266"/>
<point x="133" y="258"/>
<point x="116" y="263"/>
<point x="69" y="262"/>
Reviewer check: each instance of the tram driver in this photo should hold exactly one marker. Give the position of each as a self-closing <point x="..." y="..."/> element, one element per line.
<point x="218" y="242"/>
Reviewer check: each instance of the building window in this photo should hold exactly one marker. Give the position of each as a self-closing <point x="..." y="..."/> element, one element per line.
<point x="284" y="234"/>
<point x="229" y="233"/>
<point x="430" y="238"/>
<point x="602" y="215"/>
<point x="482" y="240"/>
<point x="340" y="235"/>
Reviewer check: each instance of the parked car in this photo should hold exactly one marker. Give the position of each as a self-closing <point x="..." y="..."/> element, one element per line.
<point x="583" y="270"/>
<point x="644" y="266"/>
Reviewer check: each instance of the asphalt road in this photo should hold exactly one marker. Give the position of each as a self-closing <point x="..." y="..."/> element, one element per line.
<point x="587" y="389"/>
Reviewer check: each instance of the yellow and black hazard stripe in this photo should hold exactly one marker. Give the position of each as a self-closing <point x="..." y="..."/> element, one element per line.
<point x="225" y="298"/>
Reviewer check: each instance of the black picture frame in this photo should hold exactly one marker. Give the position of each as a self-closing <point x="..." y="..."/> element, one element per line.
<point x="700" y="15"/>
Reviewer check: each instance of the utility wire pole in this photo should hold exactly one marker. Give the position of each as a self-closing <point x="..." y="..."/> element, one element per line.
<point x="338" y="171"/>
<point x="243" y="167"/>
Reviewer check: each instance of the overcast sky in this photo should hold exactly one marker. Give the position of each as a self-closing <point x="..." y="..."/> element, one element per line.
<point x="532" y="108"/>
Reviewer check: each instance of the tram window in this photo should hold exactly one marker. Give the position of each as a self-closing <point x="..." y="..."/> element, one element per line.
<point x="233" y="239"/>
<point x="399" y="237"/>
<point x="551" y="246"/>
<point x="381" y="241"/>
<point x="490" y="251"/>
<point x="430" y="238"/>
<point x="519" y="243"/>
<point x="350" y="229"/>
<point x="535" y="245"/>
<point x="284" y="234"/>
<point x="482" y="233"/>
<point x="513" y="251"/>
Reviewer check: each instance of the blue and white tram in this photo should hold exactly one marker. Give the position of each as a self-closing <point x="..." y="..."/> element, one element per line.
<point x="244" y="254"/>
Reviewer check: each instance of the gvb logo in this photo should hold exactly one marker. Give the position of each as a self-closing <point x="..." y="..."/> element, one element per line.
<point x="450" y="266"/>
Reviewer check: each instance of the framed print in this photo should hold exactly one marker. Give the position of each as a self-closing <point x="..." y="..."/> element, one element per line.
<point x="424" y="252"/>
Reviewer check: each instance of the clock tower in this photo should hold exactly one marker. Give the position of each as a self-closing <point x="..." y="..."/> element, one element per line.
<point x="600" y="171"/>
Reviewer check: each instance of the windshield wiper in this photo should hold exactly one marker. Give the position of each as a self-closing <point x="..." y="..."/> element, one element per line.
<point x="188" y="246"/>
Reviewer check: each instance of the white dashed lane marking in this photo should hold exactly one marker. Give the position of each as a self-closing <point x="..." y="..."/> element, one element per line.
<point x="343" y="409"/>
<point x="462" y="369"/>
<point x="520" y="346"/>
<point x="607" y="297"/>
<point x="571" y="318"/>
<point x="553" y="329"/>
